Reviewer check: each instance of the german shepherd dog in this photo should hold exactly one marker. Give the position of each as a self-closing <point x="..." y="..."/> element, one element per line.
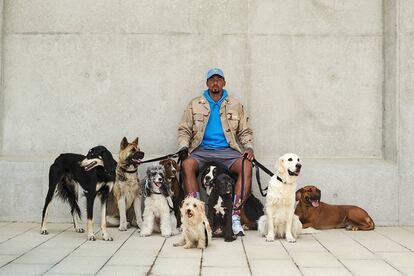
<point x="127" y="192"/>
<point x="95" y="173"/>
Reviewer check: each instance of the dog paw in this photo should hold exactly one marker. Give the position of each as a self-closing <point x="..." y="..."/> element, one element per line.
<point x="107" y="238"/>
<point x="291" y="239"/>
<point x="79" y="230"/>
<point x="44" y="232"/>
<point x="187" y="246"/>
<point x="123" y="228"/>
<point x="351" y="227"/>
<point x="91" y="238"/>
<point x="270" y="239"/>
<point x="144" y="234"/>
<point x="230" y="239"/>
<point x="166" y="235"/>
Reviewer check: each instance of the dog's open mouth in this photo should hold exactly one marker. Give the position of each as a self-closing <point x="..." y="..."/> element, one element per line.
<point x="89" y="164"/>
<point x="189" y="214"/>
<point x="135" y="162"/>
<point x="136" y="159"/>
<point x="158" y="184"/>
<point x="295" y="173"/>
<point x="313" y="201"/>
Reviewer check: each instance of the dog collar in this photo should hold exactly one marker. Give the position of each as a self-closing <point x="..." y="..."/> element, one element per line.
<point x="125" y="170"/>
<point x="280" y="179"/>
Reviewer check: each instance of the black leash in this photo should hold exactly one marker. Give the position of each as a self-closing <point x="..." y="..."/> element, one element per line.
<point x="172" y="155"/>
<point x="255" y="163"/>
<point x="259" y="166"/>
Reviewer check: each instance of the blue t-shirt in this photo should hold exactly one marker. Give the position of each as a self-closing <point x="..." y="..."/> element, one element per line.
<point x="214" y="136"/>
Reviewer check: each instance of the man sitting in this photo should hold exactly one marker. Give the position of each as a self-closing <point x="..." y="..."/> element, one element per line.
<point x="215" y="127"/>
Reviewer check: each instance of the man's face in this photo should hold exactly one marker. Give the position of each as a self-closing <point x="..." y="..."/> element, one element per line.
<point x="215" y="84"/>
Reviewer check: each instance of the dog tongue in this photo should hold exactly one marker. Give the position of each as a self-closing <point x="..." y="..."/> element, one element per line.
<point x="315" y="203"/>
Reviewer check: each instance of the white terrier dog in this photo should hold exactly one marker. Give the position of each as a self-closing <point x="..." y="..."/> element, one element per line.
<point x="196" y="231"/>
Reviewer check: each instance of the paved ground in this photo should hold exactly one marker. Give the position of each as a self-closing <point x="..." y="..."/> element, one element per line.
<point x="385" y="251"/>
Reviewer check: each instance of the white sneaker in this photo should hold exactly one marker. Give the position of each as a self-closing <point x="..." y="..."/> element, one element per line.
<point x="236" y="225"/>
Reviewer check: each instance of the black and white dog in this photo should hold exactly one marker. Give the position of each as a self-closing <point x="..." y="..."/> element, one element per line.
<point x="158" y="206"/>
<point x="94" y="173"/>
<point x="218" y="184"/>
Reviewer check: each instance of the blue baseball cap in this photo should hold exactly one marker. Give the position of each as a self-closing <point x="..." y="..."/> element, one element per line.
<point x="215" y="71"/>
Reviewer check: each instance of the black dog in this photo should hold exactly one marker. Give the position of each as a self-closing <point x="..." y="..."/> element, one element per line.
<point x="218" y="184"/>
<point x="250" y="212"/>
<point x="95" y="173"/>
<point x="252" y="208"/>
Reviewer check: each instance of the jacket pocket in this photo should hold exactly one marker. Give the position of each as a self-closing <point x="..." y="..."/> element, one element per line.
<point x="199" y="121"/>
<point x="233" y="118"/>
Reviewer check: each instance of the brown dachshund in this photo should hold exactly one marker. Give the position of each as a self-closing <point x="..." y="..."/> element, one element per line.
<point x="314" y="213"/>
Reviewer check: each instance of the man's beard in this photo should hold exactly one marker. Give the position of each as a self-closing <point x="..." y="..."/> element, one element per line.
<point x="215" y="91"/>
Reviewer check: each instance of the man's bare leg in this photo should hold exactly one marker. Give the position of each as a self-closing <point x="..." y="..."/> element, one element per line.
<point x="237" y="169"/>
<point x="189" y="170"/>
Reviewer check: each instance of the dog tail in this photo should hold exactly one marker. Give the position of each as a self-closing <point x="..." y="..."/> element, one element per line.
<point x="262" y="225"/>
<point x="68" y="193"/>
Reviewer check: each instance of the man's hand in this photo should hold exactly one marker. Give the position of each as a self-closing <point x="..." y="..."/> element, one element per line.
<point x="183" y="153"/>
<point x="249" y="154"/>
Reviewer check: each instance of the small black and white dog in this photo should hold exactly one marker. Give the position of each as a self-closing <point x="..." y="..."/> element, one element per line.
<point x="158" y="206"/>
<point x="218" y="183"/>
<point x="94" y="173"/>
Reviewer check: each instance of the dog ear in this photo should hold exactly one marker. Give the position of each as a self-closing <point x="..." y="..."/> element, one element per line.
<point x="175" y="165"/>
<point x="280" y="166"/>
<point x="148" y="172"/>
<point x="299" y="194"/>
<point x="124" y="143"/>
<point x="109" y="162"/>
<point x="165" y="187"/>
<point x="162" y="162"/>
<point x="135" y="141"/>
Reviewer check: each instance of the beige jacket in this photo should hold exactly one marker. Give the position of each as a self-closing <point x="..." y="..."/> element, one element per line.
<point x="234" y="121"/>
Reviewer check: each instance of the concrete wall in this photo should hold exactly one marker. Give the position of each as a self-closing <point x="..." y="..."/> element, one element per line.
<point x="328" y="80"/>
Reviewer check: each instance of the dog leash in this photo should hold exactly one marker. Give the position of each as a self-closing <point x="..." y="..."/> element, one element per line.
<point x="172" y="155"/>
<point x="262" y="190"/>
<point x="266" y="170"/>
<point x="255" y="163"/>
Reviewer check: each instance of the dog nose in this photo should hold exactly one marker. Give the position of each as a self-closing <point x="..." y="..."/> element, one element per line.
<point x="298" y="166"/>
<point x="208" y="178"/>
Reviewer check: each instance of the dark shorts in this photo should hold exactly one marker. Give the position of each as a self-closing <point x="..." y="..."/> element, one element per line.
<point x="226" y="156"/>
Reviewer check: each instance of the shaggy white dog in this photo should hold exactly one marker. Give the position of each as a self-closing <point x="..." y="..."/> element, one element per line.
<point x="158" y="212"/>
<point x="196" y="231"/>
<point x="279" y="219"/>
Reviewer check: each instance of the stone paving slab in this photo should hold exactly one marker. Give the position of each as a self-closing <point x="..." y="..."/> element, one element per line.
<point x="384" y="251"/>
